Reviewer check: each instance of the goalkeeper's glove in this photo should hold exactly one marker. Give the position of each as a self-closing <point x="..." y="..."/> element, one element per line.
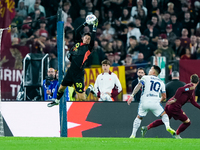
<point x="85" y="23"/>
<point x="95" y="25"/>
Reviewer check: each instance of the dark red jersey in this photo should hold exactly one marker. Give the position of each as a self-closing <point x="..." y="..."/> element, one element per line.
<point x="183" y="95"/>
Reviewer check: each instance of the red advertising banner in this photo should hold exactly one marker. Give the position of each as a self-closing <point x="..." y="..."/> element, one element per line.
<point x="187" y="68"/>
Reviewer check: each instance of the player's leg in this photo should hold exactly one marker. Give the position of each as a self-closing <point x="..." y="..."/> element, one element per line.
<point x="186" y="123"/>
<point x="136" y="124"/>
<point x="158" y="110"/>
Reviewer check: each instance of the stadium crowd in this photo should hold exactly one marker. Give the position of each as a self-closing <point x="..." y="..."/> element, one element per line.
<point x="129" y="31"/>
<point x="139" y="28"/>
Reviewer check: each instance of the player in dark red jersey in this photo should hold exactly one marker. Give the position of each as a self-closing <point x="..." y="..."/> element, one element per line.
<point x="174" y="105"/>
<point x="78" y="54"/>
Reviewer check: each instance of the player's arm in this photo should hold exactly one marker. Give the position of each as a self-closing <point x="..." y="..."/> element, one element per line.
<point x="193" y="102"/>
<point x="163" y="97"/>
<point x="135" y="90"/>
<point x="77" y="32"/>
<point x="94" y="30"/>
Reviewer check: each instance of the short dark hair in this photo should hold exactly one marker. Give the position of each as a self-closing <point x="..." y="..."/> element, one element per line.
<point x="107" y="62"/>
<point x="157" y="69"/>
<point x="87" y="33"/>
<point x="140" y="68"/>
<point x="131" y="24"/>
<point x="194" y="78"/>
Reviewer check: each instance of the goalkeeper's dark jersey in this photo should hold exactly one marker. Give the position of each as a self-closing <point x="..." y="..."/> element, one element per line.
<point x="79" y="52"/>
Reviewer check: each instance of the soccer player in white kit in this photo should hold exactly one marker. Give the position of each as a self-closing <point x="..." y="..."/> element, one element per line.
<point x="150" y="100"/>
<point x="107" y="85"/>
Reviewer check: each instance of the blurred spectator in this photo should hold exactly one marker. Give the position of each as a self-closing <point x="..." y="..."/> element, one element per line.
<point x="35" y="16"/>
<point x="173" y="85"/>
<point x="176" y="25"/>
<point x="185" y="41"/>
<point x="126" y="16"/>
<point x="154" y="8"/>
<point x="132" y="30"/>
<point x="118" y="46"/>
<point x="151" y="32"/>
<point x="193" y="44"/>
<point x="24" y="34"/>
<point x="142" y="16"/>
<point x="110" y="57"/>
<point x="110" y="17"/>
<point x="68" y="23"/>
<point x="89" y="8"/>
<point x="170" y="35"/>
<point x="165" y="21"/>
<point x="98" y="14"/>
<point x="170" y="8"/>
<point x="117" y="59"/>
<point x="178" y="50"/>
<point x="96" y="57"/>
<point x="198" y="54"/>
<point x="121" y="31"/>
<point x="37" y="5"/>
<point x="184" y="8"/>
<point x="188" y="23"/>
<point x="166" y="50"/>
<point x="139" y="25"/>
<point x="145" y="47"/>
<point x="49" y="85"/>
<point x="128" y="60"/>
<point x="109" y="48"/>
<point x="65" y="11"/>
<point x="140" y="74"/>
<point x="53" y="62"/>
<point x="108" y="32"/>
<point x="135" y="9"/>
<point x="187" y="54"/>
<point x="155" y="20"/>
<point x="21" y="10"/>
<point x="140" y="61"/>
<point x="14" y="31"/>
<point x="132" y="47"/>
<point x="81" y="19"/>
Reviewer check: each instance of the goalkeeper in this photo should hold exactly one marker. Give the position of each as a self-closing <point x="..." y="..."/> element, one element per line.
<point x="78" y="55"/>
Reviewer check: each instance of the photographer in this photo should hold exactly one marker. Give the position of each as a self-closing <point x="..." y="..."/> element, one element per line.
<point x="49" y="85"/>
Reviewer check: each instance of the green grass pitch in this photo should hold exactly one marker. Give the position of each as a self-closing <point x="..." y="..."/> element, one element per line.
<point x="32" y="143"/>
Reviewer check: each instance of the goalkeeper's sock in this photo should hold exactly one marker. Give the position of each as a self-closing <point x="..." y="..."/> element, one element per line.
<point x="59" y="95"/>
<point x="136" y="125"/>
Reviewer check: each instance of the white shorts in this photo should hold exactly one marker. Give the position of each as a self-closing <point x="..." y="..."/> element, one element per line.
<point x="155" y="107"/>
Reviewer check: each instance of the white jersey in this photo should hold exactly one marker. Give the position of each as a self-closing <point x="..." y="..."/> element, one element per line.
<point x="105" y="82"/>
<point x="152" y="87"/>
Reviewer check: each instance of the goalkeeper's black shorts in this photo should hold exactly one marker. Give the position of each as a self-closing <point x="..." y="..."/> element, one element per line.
<point x="76" y="78"/>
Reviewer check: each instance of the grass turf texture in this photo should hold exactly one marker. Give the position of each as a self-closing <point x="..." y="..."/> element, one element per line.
<point x="32" y="143"/>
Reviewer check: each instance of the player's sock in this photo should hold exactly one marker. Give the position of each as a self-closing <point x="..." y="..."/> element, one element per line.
<point x="136" y="125"/>
<point x="59" y="95"/>
<point x="182" y="127"/>
<point x="155" y="124"/>
<point x="165" y="120"/>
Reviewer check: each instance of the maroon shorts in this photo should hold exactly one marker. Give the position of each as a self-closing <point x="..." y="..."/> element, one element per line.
<point x="177" y="114"/>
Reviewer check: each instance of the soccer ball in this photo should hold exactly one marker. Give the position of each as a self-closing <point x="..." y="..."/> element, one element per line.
<point x="90" y="19"/>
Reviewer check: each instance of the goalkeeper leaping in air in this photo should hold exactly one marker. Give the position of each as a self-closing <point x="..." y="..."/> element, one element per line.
<point x="78" y="54"/>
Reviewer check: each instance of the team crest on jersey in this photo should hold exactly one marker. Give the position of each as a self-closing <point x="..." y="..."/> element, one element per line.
<point x="187" y="89"/>
<point x="76" y="47"/>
